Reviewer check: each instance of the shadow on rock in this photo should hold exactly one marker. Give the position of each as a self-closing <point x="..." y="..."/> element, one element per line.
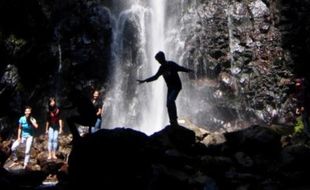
<point x="110" y="158"/>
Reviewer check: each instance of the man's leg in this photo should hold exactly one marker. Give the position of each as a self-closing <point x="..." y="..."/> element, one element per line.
<point x="172" y="109"/>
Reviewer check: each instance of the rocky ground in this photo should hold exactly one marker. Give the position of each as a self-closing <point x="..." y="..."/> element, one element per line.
<point x="40" y="171"/>
<point x="257" y="157"/>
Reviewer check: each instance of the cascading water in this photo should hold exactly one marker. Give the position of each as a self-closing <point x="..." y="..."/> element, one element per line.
<point x="139" y="34"/>
<point x="157" y="105"/>
<point x="58" y="74"/>
<point x="59" y="58"/>
<point x="197" y="35"/>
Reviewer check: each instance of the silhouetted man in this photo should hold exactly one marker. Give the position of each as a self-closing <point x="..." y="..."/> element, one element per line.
<point x="169" y="70"/>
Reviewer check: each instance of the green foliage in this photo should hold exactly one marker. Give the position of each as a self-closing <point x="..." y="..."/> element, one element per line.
<point x="16" y="41"/>
<point x="20" y="87"/>
<point x="299" y="126"/>
<point x="14" y="44"/>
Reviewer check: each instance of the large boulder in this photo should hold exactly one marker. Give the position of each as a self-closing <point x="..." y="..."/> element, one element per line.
<point x="115" y="159"/>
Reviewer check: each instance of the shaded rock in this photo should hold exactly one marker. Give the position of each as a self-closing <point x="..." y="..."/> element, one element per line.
<point x="254" y="140"/>
<point x="6" y="180"/>
<point x="21" y="179"/>
<point x="215" y="165"/>
<point x="244" y="159"/>
<point x="119" y="155"/>
<point x="5" y="152"/>
<point x="295" y="157"/>
<point x="177" y="137"/>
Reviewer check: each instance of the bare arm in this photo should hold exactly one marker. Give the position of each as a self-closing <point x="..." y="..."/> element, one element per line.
<point x="183" y="69"/>
<point x="60" y="126"/>
<point x="34" y="122"/>
<point x="19" y="132"/>
<point x="99" y="111"/>
<point x="46" y="126"/>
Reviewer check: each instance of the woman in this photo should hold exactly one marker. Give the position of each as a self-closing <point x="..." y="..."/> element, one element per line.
<point x="54" y="127"/>
<point x="26" y="124"/>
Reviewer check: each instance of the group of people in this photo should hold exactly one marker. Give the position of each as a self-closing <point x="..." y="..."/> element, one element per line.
<point x="90" y="111"/>
<point x="53" y="127"/>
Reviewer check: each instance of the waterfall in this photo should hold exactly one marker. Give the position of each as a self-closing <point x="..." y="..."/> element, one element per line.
<point x="58" y="74"/>
<point x="138" y="35"/>
<point x="157" y="104"/>
<point x="59" y="58"/>
<point x="193" y="34"/>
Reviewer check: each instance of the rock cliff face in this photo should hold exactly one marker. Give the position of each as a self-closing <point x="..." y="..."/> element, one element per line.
<point x="49" y="47"/>
<point x="236" y="49"/>
<point x="245" y="54"/>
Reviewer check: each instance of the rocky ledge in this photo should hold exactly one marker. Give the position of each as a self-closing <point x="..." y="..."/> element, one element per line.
<point x="174" y="158"/>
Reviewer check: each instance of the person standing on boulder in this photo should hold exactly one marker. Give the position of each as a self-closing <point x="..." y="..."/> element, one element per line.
<point x="169" y="70"/>
<point x="53" y="127"/>
<point x="26" y="124"/>
<point x="97" y="101"/>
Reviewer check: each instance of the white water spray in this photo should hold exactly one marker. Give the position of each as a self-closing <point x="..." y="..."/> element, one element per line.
<point x="157" y="37"/>
<point x="139" y="35"/>
<point x="59" y="58"/>
<point x="58" y="74"/>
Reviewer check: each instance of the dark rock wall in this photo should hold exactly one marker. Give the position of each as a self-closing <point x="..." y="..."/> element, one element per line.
<point x="293" y="22"/>
<point x="242" y="50"/>
<point x="49" y="47"/>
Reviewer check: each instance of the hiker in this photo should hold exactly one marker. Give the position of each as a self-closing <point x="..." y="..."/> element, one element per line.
<point x="97" y="102"/>
<point x="26" y="124"/>
<point x="53" y="127"/>
<point x="169" y="70"/>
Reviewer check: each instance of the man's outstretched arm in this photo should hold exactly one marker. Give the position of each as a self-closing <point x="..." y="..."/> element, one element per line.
<point x="152" y="78"/>
<point x="183" y="69"/>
